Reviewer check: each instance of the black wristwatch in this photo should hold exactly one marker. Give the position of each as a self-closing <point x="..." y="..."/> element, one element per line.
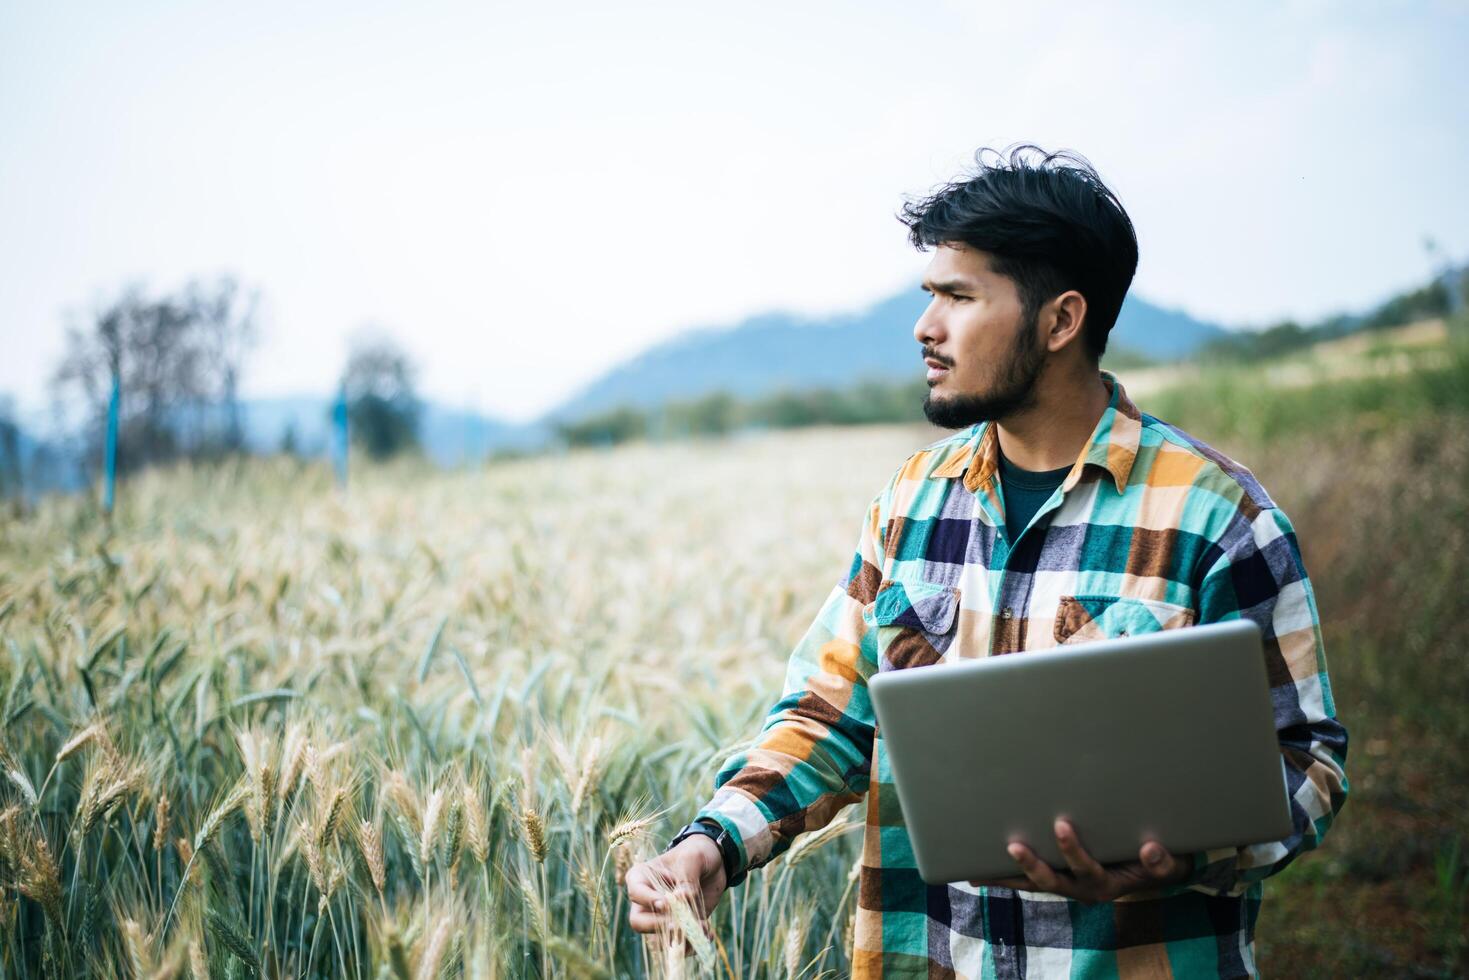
<point x="729" y="851"/>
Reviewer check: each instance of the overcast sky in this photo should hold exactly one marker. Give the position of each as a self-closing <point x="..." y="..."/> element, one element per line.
<point x="526" y="194"/>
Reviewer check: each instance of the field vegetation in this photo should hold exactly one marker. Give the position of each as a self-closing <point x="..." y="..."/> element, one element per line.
<point x="252" y="725"/>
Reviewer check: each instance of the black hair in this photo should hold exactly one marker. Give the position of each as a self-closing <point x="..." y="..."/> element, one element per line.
<point x="1048" y="221"/>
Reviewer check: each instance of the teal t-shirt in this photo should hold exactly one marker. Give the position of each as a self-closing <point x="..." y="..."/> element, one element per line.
<point x="1025" y="492"/>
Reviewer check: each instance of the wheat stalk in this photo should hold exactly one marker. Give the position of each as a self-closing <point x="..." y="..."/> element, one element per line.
<point x="162" y="813"/>
<point x="209" y="829"/>
<point x="293" y="754"/>
<point x="453" y="833"/>
<point x="533" y="830"/>
<point x="331" y="817"/>
<point x="198" y="963"/>
<point x="17" y="774"/>
<point x="795" y="941"/>
<point x="632" y="825"/>
<point x="692" y="928"/>
<point x="395" y="785"/>
<point x="433" y="815"/>
<point x="433" y="955"/>
<point x="590" y="771"/>
<point x="105" y="786"/>
<point x="370" y="842"/>
<point x="40" y="879"/>
<point x="136" y="945"/>
<point x="79" y="741"/>
<point x="622" y="862"/>
<point x="476" y="824"/>
<point x="232" y="940"/>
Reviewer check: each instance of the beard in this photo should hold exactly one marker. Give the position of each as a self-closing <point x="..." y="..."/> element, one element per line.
<point x="1012" y="391"/>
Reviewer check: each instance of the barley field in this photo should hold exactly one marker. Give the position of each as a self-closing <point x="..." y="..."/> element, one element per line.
<point x="254" y="725"/>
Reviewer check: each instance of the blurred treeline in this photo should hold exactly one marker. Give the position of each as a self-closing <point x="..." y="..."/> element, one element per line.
<point x="872" y="401"/>
<point x="1439" y="297"/>
<point x="179" y="357"/>
<point x="865" y="402"/>
<point x="174" y="363"/>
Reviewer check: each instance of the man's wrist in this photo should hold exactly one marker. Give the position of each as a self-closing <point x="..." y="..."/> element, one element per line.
<point x="724" y="842"/>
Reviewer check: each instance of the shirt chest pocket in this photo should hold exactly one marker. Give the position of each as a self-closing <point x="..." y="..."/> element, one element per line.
<point x="1083" y="618"/>
<point x="915" y="623"/>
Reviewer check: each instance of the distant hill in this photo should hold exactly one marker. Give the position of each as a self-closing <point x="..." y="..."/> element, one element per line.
<point x="757" y="356"/>
<point x="44" y="466"/>
<point x="450" y="437"/>
<point x="1159" y="333"/>
<point x="772" y="351"/>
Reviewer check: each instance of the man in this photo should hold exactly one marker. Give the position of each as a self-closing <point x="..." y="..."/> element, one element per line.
<point x="1058" y="514"/>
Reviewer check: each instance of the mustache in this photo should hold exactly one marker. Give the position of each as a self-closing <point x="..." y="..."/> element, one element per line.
<point x="930" y="353"/>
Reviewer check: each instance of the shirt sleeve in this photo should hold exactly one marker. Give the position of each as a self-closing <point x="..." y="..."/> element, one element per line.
<point x="813" y="755"/>
<point x="1255" y="572"/>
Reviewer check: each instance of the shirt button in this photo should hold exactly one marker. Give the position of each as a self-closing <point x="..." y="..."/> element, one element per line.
<point x="1006" y="613"/>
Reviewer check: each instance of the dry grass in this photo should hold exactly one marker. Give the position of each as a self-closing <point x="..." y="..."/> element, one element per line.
<point x="424" y="727"/>
<point x="435" y="706"/>
<point x="1379" y="353"/>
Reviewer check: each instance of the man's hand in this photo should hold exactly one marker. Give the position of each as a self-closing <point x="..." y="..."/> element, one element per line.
<point x="692" y="872"/>
<point x="1087" y="881"/>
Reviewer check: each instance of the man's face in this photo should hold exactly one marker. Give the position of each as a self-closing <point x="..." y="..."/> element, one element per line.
<point x="983" y="354"/>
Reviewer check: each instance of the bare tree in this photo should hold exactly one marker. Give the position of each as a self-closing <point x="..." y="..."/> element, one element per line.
<point x="176" y="357"/>
<point x="225" y="317"/>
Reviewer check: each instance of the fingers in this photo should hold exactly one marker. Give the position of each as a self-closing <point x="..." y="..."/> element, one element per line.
<point x="653" y="887"/>
<point x="652" y="883"/>
<point x="1159" y="863"/>
<point x="1037" y="872"/>
<point x="664" y="922"/>
<point x="1078" y="859"/>
<point x="1087" y="880"/>
<point x="642" y="919"/>
<point x="647" y="883"/>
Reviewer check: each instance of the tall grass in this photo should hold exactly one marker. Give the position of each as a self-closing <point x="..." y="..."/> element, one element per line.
<point x="255" y="727"/>
<point x="1374" y="473"/>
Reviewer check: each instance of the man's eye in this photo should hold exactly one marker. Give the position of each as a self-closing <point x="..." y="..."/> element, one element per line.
<point x="961" y="299"/>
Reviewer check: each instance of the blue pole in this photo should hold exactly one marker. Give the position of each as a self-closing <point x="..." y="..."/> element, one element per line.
<point x="113" y="406"/>
<point x="339" y="442"/>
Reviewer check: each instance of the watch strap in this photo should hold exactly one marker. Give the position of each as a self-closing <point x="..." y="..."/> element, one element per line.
<point x="729" y="850"/>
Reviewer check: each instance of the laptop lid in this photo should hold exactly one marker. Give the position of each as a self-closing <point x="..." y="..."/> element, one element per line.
<point x="1169" y="735"/>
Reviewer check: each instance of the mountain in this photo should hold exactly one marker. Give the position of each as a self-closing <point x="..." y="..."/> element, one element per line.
<point x="32" y="466"/>
<point x="754" y="357"/>
<point x="778" y="350"/>
<point x="1160" y="333"/>
<point x="452" y="436"/>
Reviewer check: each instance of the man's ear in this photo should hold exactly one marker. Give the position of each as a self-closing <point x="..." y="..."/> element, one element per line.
<point x="1067" y="320"/>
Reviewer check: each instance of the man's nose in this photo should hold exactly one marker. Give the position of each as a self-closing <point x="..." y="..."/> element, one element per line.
<point x="929" y="330"/>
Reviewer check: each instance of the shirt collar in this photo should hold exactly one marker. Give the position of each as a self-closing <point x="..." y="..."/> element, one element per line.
<point x="1112" y="447"/>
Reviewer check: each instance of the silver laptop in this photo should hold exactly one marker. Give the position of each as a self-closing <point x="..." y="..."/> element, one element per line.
<point x="1167" y="735"/>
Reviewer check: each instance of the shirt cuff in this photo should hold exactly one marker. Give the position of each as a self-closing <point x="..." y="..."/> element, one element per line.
<point x="739" y="815"/>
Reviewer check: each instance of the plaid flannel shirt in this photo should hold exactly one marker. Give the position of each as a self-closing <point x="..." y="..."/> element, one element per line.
<point x="1150" y="530"/>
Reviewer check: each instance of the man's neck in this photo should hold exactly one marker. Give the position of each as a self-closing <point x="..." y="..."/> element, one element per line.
<point x="1051" y="434"/>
